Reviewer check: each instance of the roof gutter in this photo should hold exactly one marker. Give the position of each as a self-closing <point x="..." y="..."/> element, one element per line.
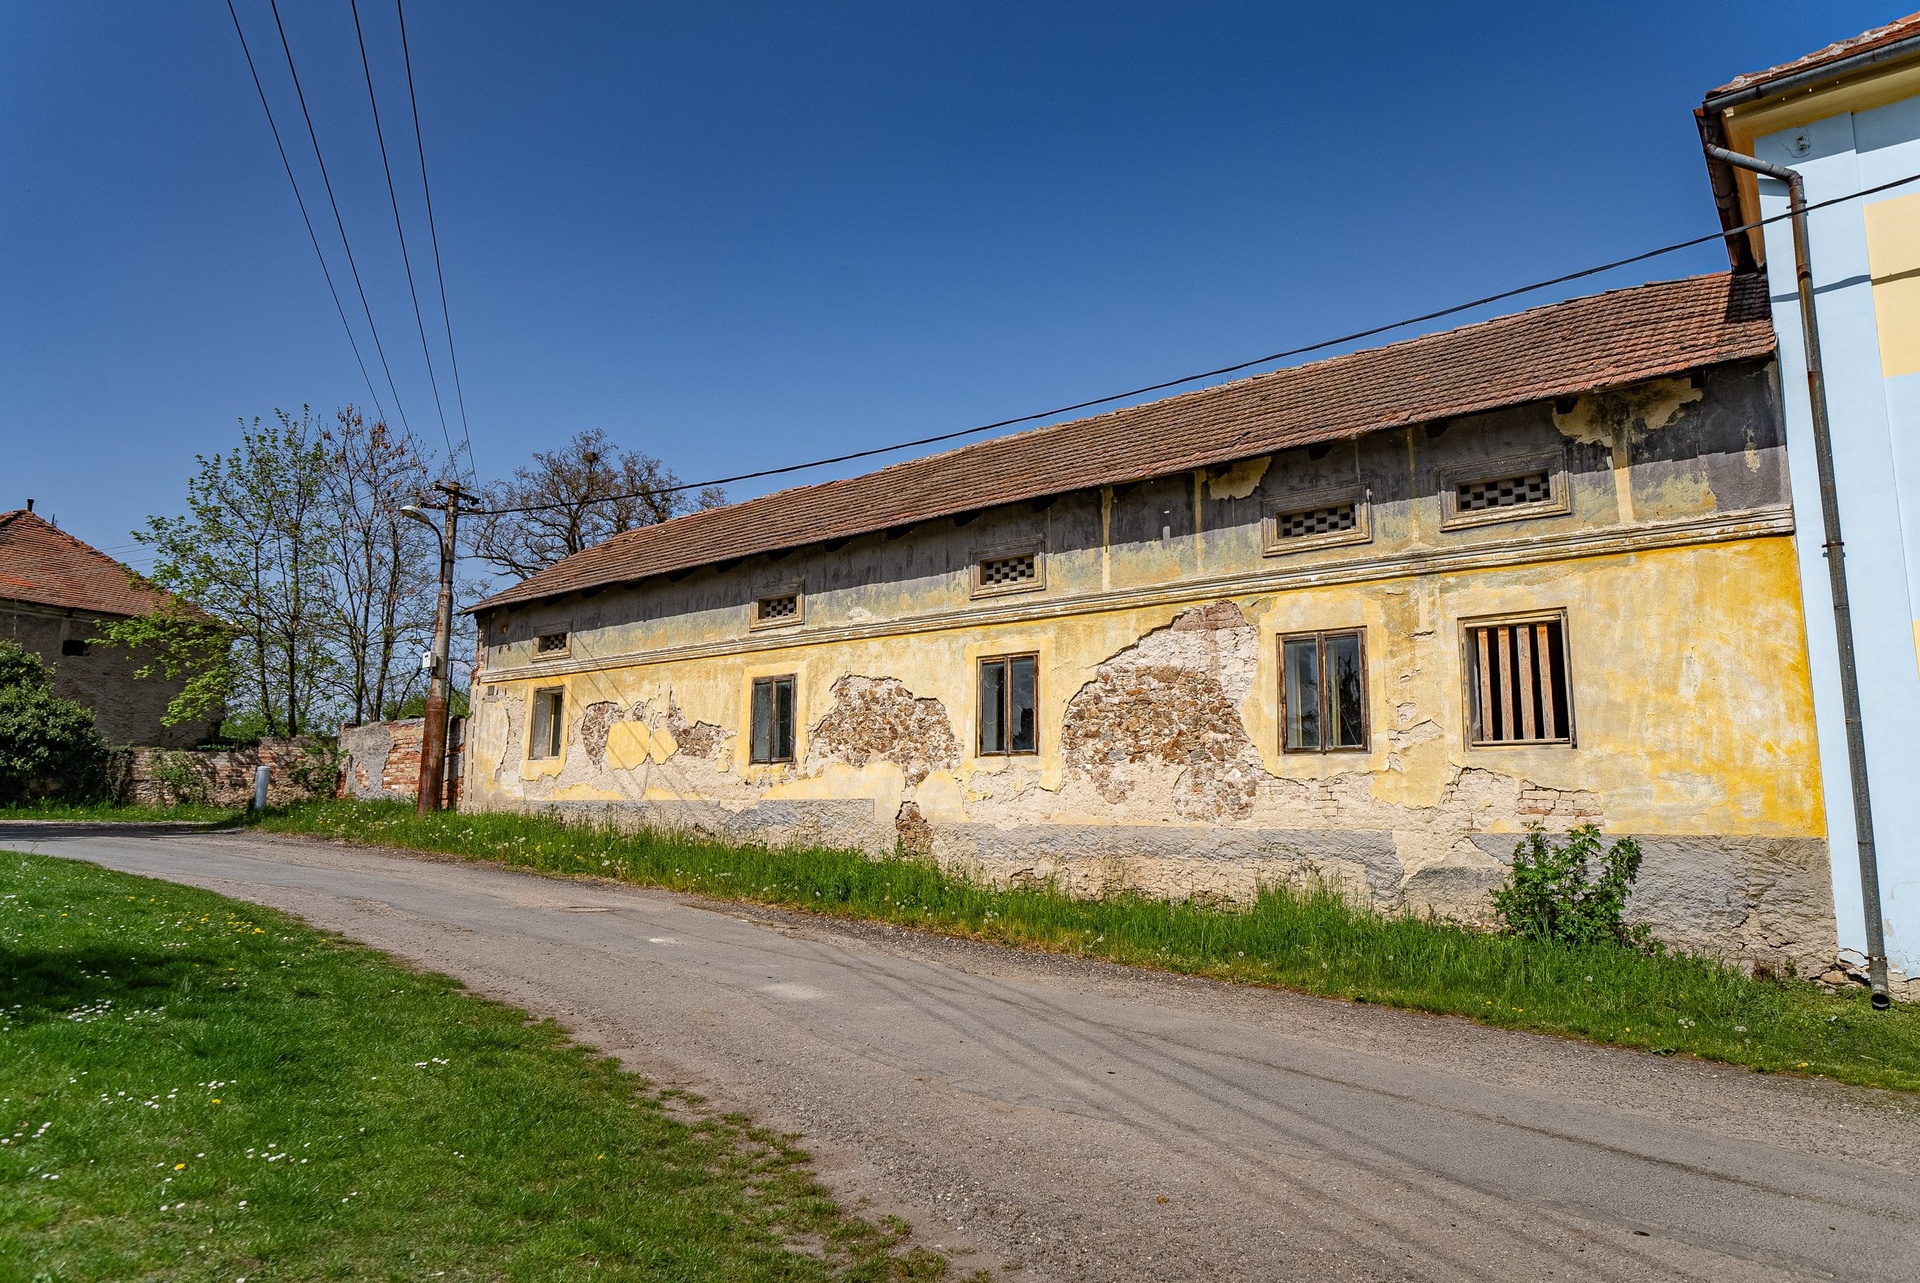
<point x="1710" y="118"/>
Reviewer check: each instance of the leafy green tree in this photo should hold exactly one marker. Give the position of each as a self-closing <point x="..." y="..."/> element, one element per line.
<point x="48" y="745"/>
<point x="382" y="570"/>
<point x="251" y="552"/>
<point x="1571" y="894"/>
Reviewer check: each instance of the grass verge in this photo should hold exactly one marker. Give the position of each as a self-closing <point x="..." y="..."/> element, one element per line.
<point x="117" y="813"/>
<point x="1313" y="941"/>
<point x="195" y="1088"/>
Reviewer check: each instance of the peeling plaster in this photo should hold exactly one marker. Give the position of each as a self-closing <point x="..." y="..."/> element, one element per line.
<point x="1240" y="480"/>
<point x="1626" y="415"/>
<point x="1168" y="706"/>
<point x="878" y="719"/>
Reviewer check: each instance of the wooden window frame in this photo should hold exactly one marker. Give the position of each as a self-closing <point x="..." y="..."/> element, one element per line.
<point x="1476" y="691"/>
<point x="1552" y="462"/>
<point x="1320" y="636"/>
<point x="793" y="725"/>
<point x="557" y="723"/>
<point x="1006" y="705"/>
<point x="754" y="621"/>
<point x="1272" y="545"/>
<point x="983" y="555"/>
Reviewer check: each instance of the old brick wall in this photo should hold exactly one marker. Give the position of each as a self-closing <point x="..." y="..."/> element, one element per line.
<point x="380" y="762"/>
<point x="220" y="777"/>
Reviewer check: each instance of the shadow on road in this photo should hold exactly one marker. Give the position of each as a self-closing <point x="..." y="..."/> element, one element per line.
<point x="44" y="830"/>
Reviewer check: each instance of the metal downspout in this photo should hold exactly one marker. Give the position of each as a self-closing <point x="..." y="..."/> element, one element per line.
<point x="1836" y="565"/>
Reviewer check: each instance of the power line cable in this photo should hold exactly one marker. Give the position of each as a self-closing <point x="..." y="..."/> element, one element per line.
<point x="301" y="201"/>
<point x="433" y="232"/>
<point x="1237" y="366"/>
<point x="393" y="198"/>
<point x="338" y="221"/>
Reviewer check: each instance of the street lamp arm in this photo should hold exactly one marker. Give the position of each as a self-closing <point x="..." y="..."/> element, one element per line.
<point x="408" y="510"/>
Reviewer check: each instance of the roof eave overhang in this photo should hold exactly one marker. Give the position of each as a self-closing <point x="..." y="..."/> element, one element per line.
<point x="1735" y="193"/>
<point x="509" y="599"/>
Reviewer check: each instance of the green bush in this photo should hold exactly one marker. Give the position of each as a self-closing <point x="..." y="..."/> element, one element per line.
<point x="48" y="745"/>
<point x="180" y="778"/>
<point x="317" y="770"/>
<point x="1551" y="893"/>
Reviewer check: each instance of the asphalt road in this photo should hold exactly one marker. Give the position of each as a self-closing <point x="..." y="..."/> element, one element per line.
<point x="1054" y="1119"/>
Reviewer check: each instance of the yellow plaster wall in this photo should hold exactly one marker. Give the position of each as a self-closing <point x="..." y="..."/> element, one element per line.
<point x="1691" y="707"/>
<point x="1893" y="259"/>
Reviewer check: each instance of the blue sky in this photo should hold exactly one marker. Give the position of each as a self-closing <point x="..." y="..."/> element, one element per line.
<point x="740" y="235"/>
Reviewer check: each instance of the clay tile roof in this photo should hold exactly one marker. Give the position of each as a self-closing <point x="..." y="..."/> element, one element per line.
<point x="43" y="564"/>
<point x="1865" y="42"/>
<point x="1562" y="349"/>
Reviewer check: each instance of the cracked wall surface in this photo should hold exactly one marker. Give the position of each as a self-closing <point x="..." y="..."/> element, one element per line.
<point x="1159" y="766"/>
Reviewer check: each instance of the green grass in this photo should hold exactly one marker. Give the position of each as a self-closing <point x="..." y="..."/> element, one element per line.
<point x="1313" y="941"/>
<point x="127" y="813"/>
<point x="162" y="1049"/>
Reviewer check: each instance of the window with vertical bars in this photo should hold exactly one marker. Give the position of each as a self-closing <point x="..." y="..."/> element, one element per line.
<point x="1517" y="688"/>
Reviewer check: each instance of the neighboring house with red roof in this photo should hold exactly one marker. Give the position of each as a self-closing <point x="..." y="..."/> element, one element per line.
<point x="55" y="593"/>
<point x="1368" y="617"/>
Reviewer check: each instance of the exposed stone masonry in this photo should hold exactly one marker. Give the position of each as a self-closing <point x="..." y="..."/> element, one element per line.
<point x="878" y="718"/>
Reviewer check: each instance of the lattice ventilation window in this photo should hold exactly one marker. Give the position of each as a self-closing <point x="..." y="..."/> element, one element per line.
<point x="1002" y="574"/>
<point x="783" y="609"/>
<point x="550" y="644"/>
<point x="1330" y="520"/>
<point x="1505" y="492"/>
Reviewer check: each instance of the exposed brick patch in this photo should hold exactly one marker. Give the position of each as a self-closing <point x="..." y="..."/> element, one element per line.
<point x="1169" y="702"/>
<point x="1573" y="806"/>
<point x="878" y="719"/>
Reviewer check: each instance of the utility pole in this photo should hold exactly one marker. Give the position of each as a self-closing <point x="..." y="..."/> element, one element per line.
<point x="433" y="736"/>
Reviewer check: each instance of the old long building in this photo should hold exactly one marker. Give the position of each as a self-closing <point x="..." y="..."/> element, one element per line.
<point x="1370" y="616"/>
<point x="56" y="596"/>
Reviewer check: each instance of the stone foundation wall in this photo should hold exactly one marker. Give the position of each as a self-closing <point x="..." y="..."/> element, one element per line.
<point x="222" y="777"/>
<point x="1756" y="901"/>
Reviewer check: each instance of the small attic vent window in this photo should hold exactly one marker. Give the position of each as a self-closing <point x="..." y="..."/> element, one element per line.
<point x="771" y="612"/>
<point x="1315" y="521"/>
<point x="1296" y="523"/>
<point x="1505" y="492"/>
<point x="550" y="644"/>
<point x="1004" y="574"/>
<point x="1512" y="489"/>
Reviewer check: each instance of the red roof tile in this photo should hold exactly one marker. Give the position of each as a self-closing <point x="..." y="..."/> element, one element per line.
<point x="1865" y="42"/>
<point x="1563" y="349"/>
<point x="42" y="564"/>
